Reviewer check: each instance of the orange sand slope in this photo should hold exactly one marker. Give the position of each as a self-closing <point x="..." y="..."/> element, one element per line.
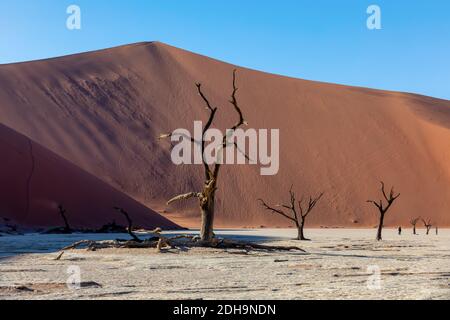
<point x="103" y="111"/>
<point x="34" y="181"/>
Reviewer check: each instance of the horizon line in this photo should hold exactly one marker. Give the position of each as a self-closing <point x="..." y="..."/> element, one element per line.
<point x="146" y="42"/>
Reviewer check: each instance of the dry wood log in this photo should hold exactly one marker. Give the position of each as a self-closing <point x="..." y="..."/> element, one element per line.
<point x="182" y="241"/>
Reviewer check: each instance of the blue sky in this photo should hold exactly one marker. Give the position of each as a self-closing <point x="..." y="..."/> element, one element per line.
<point x="312" y="39"/>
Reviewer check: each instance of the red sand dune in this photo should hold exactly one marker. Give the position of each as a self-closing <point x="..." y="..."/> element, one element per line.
<point x="103" y="111"/>
<point x="34" y="181"/>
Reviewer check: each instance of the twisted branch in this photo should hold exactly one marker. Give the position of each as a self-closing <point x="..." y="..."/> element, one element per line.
<point x="185" y="197"/>
<point x="281" y="212"/>
<point x="390" y="200"/>
<point x="311" y="204"/>
<point x="130" y="224"/>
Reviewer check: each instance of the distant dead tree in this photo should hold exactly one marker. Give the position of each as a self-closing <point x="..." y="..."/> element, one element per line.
<point x="427" y="224"/>
<point x="130" y="224"/>
<point x="62" y="212"/>
<point x="383" y="208"/>
<point x="413" y="222"/>
<point x="207" y="195"/>
<point x="437" y="230"/>
<point x="297" y="216"/>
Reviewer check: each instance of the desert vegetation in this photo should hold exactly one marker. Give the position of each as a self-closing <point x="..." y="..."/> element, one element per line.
<point x="130" y="224"/>
<point x="299" y="210"/>
<point x="66" y="229"/>
<point x="206" y="197"/>
<point x="427" y="224"/>
<point x="62" y="212"/>
<point x="384" y="207"/>
<point x="413" y="223"/>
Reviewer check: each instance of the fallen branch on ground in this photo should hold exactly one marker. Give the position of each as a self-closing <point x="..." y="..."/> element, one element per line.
<point x="160" y="242"/>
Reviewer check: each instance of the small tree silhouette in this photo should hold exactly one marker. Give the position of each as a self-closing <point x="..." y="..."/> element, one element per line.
<point x="382" y="208"/>
<point x="414" y="223"/>
<point x="130" y="224"/>
<point x="62" y="212"/>
<point x="298" y="217"/>
<point x="427" y="224"/>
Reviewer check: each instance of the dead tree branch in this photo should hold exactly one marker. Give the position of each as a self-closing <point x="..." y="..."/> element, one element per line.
<point x="130" y="224"/>
<point x="160" y="242"/>
<point x="311" y="204"/>
<point x="280" y="212"/>
<point x="185" y="197"/>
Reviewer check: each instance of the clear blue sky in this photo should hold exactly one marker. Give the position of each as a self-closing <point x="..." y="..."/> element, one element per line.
<point x="312" y="39"/>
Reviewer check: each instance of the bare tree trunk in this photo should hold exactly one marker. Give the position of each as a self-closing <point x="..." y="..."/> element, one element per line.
<point x="301" y="234"/>
<point x="66" y="223"/>
<point x="414" y="230"/>
<point x="207" y="211"/>
<point x="62" y="212"/>
<point x="380" y="227"/>
<point x="299" y="231"/>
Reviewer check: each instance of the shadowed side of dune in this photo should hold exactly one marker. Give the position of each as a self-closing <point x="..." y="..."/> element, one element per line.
<point x="34" y="181"/>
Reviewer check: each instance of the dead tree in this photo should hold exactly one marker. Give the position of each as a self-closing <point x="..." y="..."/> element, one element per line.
<point x="297" y="216"/>
<point x="61" y="230"/>
<point x="413" y="222"/>
<point x="383" y="208"/>
<point x="63" y="212"/>
<point x="427" y="224"/>
<point x="130" y="224"/>
<point x="207" y="196"/>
